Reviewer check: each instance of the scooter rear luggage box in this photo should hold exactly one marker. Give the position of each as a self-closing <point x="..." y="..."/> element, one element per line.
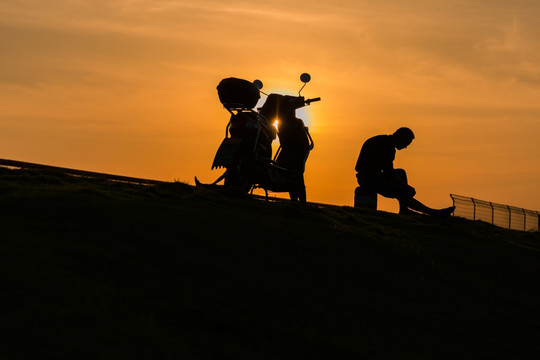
<point x="238" y="93"/>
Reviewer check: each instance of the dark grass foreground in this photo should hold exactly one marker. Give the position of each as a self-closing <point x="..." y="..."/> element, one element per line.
<point x="92" y="269"/>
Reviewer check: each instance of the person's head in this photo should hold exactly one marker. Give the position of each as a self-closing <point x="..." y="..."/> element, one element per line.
<point x="402" y="138"/>
<point x="271" y="106"/>
<point x="280" y="106"/>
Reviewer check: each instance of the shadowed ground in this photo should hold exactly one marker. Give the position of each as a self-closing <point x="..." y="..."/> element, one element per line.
<point x="98" y="269"/>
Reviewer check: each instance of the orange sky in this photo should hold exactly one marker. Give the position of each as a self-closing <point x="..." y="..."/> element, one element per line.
<point x="129" y="87"/>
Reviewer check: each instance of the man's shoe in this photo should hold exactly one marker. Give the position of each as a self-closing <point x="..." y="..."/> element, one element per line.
<point x="444" y="213"/>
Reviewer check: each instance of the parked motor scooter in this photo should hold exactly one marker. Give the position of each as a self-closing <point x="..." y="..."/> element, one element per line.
<point x="246" y="150"/>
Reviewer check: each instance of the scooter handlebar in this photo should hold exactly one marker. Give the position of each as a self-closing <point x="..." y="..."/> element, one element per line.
<point x="309" y="101"/>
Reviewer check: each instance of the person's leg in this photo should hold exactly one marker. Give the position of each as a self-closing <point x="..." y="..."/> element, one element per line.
<point x="416" y="205"/>
<point x="302" y="197"/>
<point x="298" y="192"/>
<point x="404" y="197"/>
<point x="294" y="162"/>
<point x="293" y="196"/>
<point x="408" y="202"/>
<point x="402" y="175"/>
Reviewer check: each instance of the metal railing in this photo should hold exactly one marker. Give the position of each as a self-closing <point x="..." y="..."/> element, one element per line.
<point x="506" y="216"/>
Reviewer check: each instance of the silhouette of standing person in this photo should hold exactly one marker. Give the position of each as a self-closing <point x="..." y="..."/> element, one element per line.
<point x="376" y="173"/>
<point x="293" y="139"/>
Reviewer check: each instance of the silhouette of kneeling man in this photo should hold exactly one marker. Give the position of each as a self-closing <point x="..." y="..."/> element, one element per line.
<point x="376" y="175"/>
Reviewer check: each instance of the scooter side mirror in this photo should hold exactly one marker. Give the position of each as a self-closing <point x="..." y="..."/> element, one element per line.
<point x="258" y="84"/>
<point x="305" y="78"/>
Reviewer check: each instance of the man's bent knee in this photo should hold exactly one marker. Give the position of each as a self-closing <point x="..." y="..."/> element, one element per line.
<point x="402" y="174"/>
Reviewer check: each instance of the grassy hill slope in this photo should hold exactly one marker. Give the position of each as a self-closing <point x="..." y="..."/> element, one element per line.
<point x="98" y="269"/>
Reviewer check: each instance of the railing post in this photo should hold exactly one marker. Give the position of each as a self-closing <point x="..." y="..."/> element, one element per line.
<point x="509" y="217"/>
<point x="454" y="204"/>
<point x="524" y="220"/>
<point x="492" y="213"/>
<point x="474" y="209"/>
